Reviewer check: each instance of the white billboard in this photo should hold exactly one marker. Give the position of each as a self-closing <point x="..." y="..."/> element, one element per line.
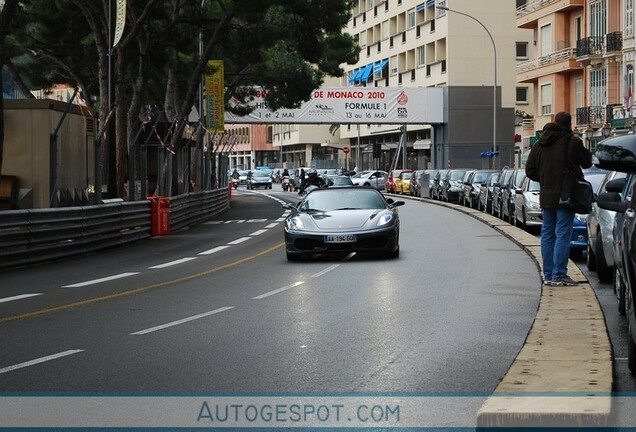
<point x="342" y="105"/>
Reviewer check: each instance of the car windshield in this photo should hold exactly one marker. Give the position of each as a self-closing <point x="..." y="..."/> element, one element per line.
<point x="595" y="179"/>
<point x="493" y="179"/>
<point x="263" y="174"/>
<point x="243" y="173"/>
<point x="506" y="177"/>
<point x="480" y="177"/>
<point x="533" y="186"/>
<point x="406" y="176"/>
<point x="457" y="175"/>
<point x="519" y="176"/>
<point x="342" y="199"/>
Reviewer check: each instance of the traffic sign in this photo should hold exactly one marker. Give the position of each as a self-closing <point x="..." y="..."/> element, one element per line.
<point x="345" y="150"/>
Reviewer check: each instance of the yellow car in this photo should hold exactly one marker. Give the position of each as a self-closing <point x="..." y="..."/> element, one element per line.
<point x="402" y="182"/>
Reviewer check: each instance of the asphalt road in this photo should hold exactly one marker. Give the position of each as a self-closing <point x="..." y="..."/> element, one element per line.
<point x="218" y="308"/>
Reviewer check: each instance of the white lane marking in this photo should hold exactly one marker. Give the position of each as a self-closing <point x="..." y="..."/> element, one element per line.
<point x="256" y="220"/>
<point x="181" y="321"/>
<point x="281" y="219"/>
<point x="39" y="360"/>
<point x="171" y="263"/>
<point x="105" y="279"/>
<point x="279" y="290"/>
<point x="259" y="232"/>
<point x="272" y="225"/>
<point x="327" y="270"/>
<point x="213" y="250"/>
<point x="213" y="223"/>
<point x="18" y="297"/>
<point x="287" y="213"/>
<point x="235" y="220"/>
<point x="237" y="241"/>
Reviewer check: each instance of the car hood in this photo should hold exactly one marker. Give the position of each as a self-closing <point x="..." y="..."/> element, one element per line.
<point x="342" y="219"/>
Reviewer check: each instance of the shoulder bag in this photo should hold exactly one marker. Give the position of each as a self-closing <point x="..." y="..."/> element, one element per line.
<point x="576" y="193"/>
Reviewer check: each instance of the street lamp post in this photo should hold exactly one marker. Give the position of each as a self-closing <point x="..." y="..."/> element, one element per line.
<point x="494" y="88"/>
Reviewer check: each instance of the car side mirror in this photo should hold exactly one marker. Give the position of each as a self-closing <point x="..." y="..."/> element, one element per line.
<point x="612" y="201"/>
<point x="396" y="204"/>
<point x="518" y="191"/>
<point x="290" y="206"/>
<point x="615" y="185"/>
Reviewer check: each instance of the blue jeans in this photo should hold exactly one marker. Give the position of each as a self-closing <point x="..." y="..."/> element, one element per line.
<point x="556" y="234"/>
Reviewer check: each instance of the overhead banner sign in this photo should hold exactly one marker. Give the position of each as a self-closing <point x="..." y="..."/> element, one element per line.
<point x="342" y="105"/>
<point x="214" y="91"/>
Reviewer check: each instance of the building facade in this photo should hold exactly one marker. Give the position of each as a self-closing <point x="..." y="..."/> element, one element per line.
<point x="582" y="61"/>
<point x="470" y="49"/>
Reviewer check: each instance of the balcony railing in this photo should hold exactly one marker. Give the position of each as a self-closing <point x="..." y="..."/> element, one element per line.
<point x="589" y="46"/>
<point x="590" y="115"/>
<point x="614" y="42"/>
<point x="550" y="59"/>
<point x="532" y="6"/>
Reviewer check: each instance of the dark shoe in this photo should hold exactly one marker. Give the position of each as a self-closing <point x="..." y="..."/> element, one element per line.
<point x="566" y="281"/>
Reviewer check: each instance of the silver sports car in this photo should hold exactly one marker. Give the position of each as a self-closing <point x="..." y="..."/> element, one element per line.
<point x="341" y="220"/>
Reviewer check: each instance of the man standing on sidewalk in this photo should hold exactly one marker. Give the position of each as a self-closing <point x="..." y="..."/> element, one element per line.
<point x="556" y="151"/>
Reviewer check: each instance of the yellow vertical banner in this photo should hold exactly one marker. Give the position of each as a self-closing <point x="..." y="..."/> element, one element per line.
<point x="120" y="22"/>
<point x="214" y="90"/>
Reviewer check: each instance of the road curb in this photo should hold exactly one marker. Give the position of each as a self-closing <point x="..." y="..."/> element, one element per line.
<point x="563" y="374"/>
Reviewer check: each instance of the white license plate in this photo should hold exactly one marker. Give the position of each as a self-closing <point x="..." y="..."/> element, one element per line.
<point x="348" y="238"/>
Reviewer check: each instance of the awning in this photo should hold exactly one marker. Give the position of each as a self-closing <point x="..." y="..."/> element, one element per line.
<point x="421" y="7"/>
<point x="423" y="144"/>
<point x="380" y="66"/>
<point x="354" y="75"/>
<point x="430" y="3"/>
<point x="364" y="77"/>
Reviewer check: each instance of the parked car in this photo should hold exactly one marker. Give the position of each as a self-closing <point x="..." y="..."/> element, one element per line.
<point x="579" y="233"/>
<point x="415" y="183"/>
<point x="341" y="220"/>
<point x="472" y="187"/>
<point x="600" y="245"/>
<point x="391" y="180"/>
<point x="436" y="189"/>
<point x="452" y="185"/>
<point x="498" y="189"/>
<point x="507" y="207"/>
<point x="623" y="187"/>
<point x="463" y="181"/>
<point x="402" y="182"/>
<point x="485" y="192"/>
<point x="431" y="181"/>
<point x="527" y="209"/>
<point x="619" y="153"/>
<point x="377" y="179"/>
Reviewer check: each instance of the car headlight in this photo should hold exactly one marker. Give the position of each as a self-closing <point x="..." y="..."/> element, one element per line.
<point x="294" y="224"/>
<point x="385" y="219"/>
<point x="533" y="205"/>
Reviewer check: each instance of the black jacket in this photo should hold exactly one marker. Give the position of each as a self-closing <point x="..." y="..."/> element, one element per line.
<point x="548" y="161"/>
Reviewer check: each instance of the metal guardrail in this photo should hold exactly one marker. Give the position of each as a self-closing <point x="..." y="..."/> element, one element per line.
<point x="38" y="235"/>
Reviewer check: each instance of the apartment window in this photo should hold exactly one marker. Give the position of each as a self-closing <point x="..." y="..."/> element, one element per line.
<point x="441" y="12"/>
<point x="522" y="50"/>
<point x="428" y="70"/>
<point x="369" y="4"/>
<point x="546" y="99"/>
<point x="354" y="21"/>
<point x="400" y="79"/>
<point x="546" y="40"/>
<point x="386" y="6"/>
<point x="411" y="18"/>
<point x="598" y="84"/>
<point x="629" y="17"/>
<point x="443" y="66"/>
<point x="413" y="75"/>
<point x="598" y="18"/>
<point x="421" y="56"/>
<point x="522" y="95"/>
<point x="399" y="2"/>
<point x="578" y="93"/>
<point x="432" y="26"/>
